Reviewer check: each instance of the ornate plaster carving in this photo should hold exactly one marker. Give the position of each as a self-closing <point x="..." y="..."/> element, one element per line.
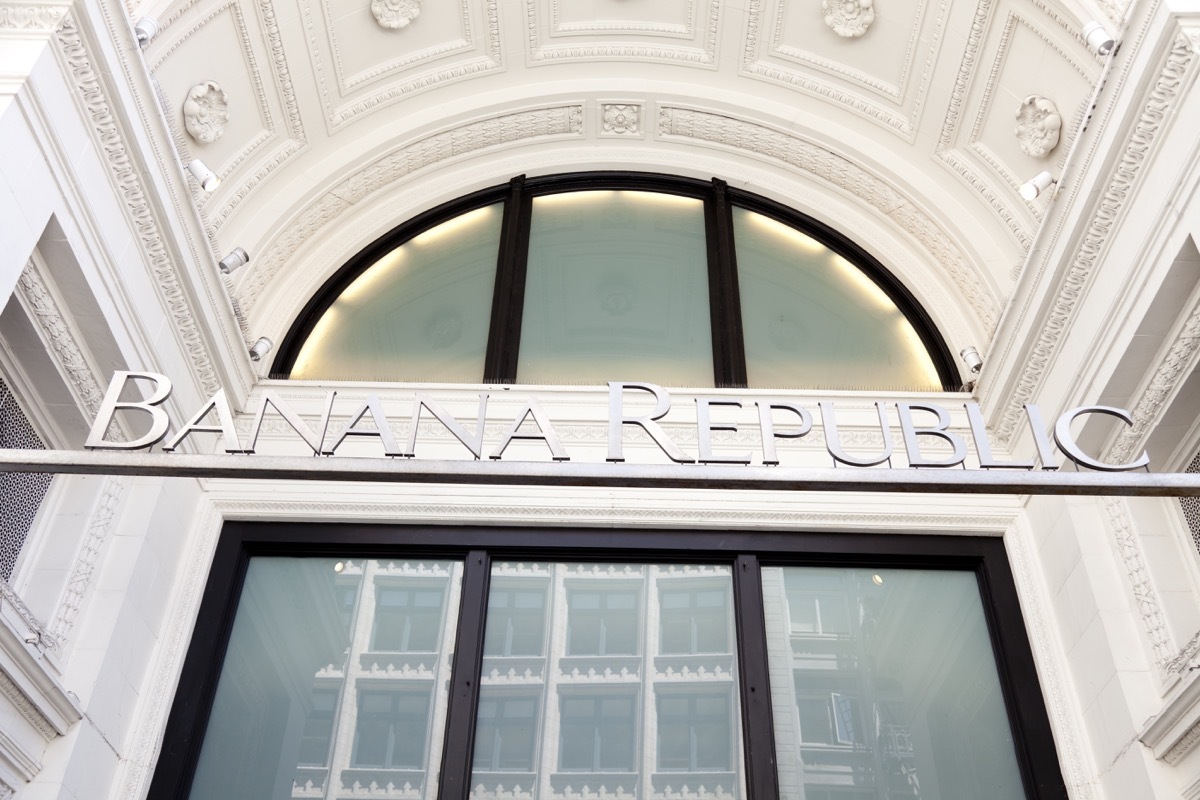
<point x="86" y="562"/>
<point x="129" y="184"/>
<point x="65" y="347"/>
<point x="32" y="17"/>
<point x="395" y="14"/>
<point x="704" y="55"/>
<point x="849" y="18"/>
<point x="26" y="707"/>
<point x="621" y="119"/>
<point x="1184" y="746"/>
<point x="1111" y="204"/>
<point x="507" y="128"/>
<point x="1144" y="594"/>
<point x="45" y="639"/>
<point x="1038" y="126"/>
<point x="1151" y="404"/>
<point x="840" y="172"/>
<point x="206" y="112"/>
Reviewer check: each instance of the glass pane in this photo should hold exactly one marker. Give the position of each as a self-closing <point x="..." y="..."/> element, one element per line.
<point x="605" y="693"/>
<point x="813" y="320"/>
<point x="617" y="289"/>
<point x="892" y="686"/>
<point x="420" y="313"/>
<point x="306" y="705"/>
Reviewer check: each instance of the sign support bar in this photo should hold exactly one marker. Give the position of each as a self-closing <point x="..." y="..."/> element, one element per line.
<point x="675" y="476"/>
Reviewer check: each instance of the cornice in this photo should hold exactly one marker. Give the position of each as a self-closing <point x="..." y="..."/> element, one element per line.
<point x="127" y="178"/>
<point x="31" y="20"/>
<point x="1108" y="210"/>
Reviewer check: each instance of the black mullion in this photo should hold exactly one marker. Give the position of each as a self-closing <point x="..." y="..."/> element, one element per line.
<point x="508" y="299"/>
<point x="758" y="726"/>
<point x="463" y="703"/>
<point x="725" y="305"/>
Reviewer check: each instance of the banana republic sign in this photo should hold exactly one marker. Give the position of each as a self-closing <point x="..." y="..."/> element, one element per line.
<point x="777" y="420"/>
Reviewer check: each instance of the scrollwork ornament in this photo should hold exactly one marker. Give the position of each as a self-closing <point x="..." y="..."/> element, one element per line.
<point x="1038" y="126"/>
<point x="206" y="112"/>
<point x="849" y="18"/>
<point x="395" y="14"/>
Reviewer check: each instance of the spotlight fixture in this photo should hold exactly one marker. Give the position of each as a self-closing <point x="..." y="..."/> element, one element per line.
<point x="260" y="348"/>
<point x="204" y="176"/>
<point x="236" y="258"/>
<point x="146" y="29"/>
<point x="972" y="359"/>
<point x="1098" y="39"/>
<point x="1033" y="187"/>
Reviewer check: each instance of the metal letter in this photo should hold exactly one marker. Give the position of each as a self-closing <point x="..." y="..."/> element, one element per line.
<point x="545" y="432"/>
<point x="1038" y="427"/>
<point x="159" y="422"/>
<point x="833" y="441"/>
<point x="1066" y="443"/>
<point x="382" y="429"/>
<point x="473" y="443"/>
<point x="766" y="426"/>
<point x="228" y="433"/>
<point x="617" y="419"/>
<point x="983" y="447"/>
<point x="911" y="432"/>
<point x="705" y="427"/>
<point x="310" y="437"/>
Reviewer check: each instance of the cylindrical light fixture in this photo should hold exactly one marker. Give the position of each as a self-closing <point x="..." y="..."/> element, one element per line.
<point x="145" y="29"/>
<point x="260" y="348"/>
<point x="204" y="176"/>
<point x="1033" y="187"/>
<point x="1098" y="39"/>
<point x="972" y="359"/>
<point x="236" y="258"/>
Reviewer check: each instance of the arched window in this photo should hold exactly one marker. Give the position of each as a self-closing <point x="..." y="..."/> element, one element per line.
<point x="583" y="279"/>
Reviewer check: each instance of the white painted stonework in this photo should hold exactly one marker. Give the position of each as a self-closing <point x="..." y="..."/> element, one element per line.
<point x="345" y="121"/>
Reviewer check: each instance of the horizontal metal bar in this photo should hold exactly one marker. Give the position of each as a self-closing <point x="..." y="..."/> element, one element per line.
<point x="527" y="473"/>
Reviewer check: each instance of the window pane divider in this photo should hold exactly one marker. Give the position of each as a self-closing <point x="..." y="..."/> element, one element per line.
<point x="508" y="299"/>
<point x="758" y="725"/>
<point x="724" y="299"/>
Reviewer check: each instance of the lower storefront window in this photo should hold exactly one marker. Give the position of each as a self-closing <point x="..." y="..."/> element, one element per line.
<point x="665" y="671"/>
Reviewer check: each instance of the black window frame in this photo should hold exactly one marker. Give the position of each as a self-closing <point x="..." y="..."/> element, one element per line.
<point x="745" y="552"/>
<point x="725" y="311"/>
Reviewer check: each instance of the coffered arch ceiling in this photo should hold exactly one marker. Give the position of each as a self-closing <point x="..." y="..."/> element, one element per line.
<point x="907" y="124"/>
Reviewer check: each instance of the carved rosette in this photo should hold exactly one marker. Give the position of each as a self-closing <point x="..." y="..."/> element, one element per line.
<point x="849" y="18"/>
<point x="395" y="14"/>
<point x="620" y="119"/>
<point x="1038" y="126"/>
<point x="206" y="112"/>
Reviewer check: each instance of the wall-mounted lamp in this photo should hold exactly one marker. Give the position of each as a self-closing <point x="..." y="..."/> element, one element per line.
<point x="972" y="359"/>
<point x="236" y="258"/>
<point x="204" y="176"/>
<point x="146" y="29"/>
<point x="260" y="348"/>
<point x="1098" y="39"/>
<point x="1033" y="187"/>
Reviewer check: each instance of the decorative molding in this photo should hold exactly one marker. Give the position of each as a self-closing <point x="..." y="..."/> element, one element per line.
<point x="1180" y="662"/>
<point x="846" y="175"/>
<point x="848" y="18"/>
<point x="1152" y="403"/>
<point x="206" y="112"/>
<point x="1184" y="746"/>
<point x="705" y="55"/>
<point x="395" y="14"/>
<point x="1109" y="207"/>
<point x="621" y="119"/>
<point x="523" y="126"/>
<point x="99" y="525"/>
<point x="64" y="343"/>
<point x="32" y="17"/>
<point x="1038" y="126"/>
<point x="129" y="184"/>
<point x="43" y="638"/>
<point x="966" y="68"/>
<point x="1145" y="596"/>
<point x="26" y="707"/>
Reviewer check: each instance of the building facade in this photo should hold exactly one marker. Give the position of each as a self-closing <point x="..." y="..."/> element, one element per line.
<point x="279" y="208"/>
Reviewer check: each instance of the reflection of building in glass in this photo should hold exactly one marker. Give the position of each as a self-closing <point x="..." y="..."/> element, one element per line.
<point x="605" y="679"/>
<point x="882" y="687"/>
